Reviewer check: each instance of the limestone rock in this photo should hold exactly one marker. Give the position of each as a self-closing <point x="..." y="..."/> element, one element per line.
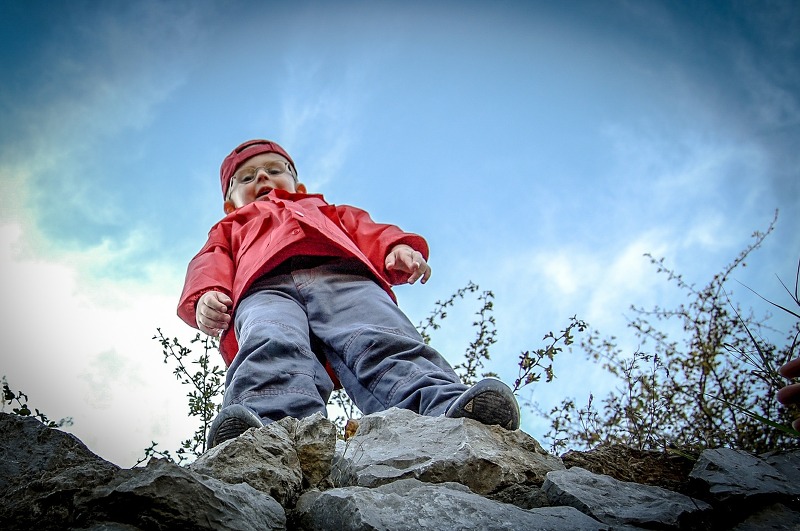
<point x="788" y="464"/>
<point x="622" y="503"/>
<point x="660" y="469"/>
<point x="41" y="470"/>
<point x="409" y="504"/>
<point x="315" y="442"/>
<point x="264" y="458"/>
<point x="776" y="516"/>
<point x="164" y="495"/>
<point x="398" y="444"/>
<point x="399" y="471"/>
<point x="733" y="475"/>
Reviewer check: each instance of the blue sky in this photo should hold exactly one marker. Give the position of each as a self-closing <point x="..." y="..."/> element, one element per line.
<point x="542" y="148"/>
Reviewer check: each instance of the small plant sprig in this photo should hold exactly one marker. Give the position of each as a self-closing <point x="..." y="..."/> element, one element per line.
<point x="478" y="350"/>
<point x="207" y="385"/>
<point x="432" y="322"/>
<point x="349" y="411"/>
<point x="533" y="363"/>
<point x="23" y="410"/>
<point x="486" y="332"/>
<point x="702" y="376"/>
<point x="181" y="455"/>
<point x="763" y="362"/>
<point x="562" y="419"/>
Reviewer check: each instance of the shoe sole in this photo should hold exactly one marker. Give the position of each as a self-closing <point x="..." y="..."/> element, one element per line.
<point x="231" y="422"/>
<point x="230" y="429"/>
<point x="493" y="404"/>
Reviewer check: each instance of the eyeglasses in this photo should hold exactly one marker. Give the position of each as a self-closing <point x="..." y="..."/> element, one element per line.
<point x="272" y="169"/>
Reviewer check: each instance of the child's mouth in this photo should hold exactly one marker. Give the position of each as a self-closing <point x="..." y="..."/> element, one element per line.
<point x="263" y="192"/>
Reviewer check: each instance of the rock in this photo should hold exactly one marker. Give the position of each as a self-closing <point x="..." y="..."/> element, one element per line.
<point x="41" y="470"/>
<point x="734" y="476"/>
<point x="398" y="444"/>
<point x="622" y="503"/>
<point x="776" y="516"/>
<point x="410" y="504"/>
<point x="398" y="471"/>
<point x="264" y="458"/>
<point x="660" y="469"/>
<point x="107" y="526"/>
<point x="315" y="442"/>
<point x="164" y="495"/>
<point x="788" y="464"/>
<point x="522" y="496"/>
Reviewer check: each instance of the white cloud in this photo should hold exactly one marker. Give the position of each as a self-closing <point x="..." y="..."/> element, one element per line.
<point x="81" y="347"/>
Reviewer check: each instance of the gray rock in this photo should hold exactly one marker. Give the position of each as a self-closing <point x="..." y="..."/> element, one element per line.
<point x="163" y="495"/>
<point x="776" y="516"/>
<point x="523" y="496"/>
<point x="788" y="464"/>
<point x="400" y="471"/>
<point x="410" y="504"/>
<point x="264" y="458"/>
<point x="107" y="526"/>
<point x="733" y="475"/>
<point x="41" y="470"/>
<point x="314" y="441"/>
<point x="399" y="444"/>
<point x="667" y="470"/>
<point x="621" y="503"/>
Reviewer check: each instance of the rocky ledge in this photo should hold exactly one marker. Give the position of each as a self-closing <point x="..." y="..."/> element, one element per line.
<point x="399" y="471"/>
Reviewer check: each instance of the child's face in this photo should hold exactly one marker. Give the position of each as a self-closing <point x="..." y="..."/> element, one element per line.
<point x="257" y="176"/>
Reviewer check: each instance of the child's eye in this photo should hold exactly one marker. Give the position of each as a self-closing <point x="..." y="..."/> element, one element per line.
<point x="247" y="177"/>
<point x="274" y="171"/>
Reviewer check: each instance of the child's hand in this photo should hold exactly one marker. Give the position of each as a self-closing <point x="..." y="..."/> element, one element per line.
<point x="403" y="258"/>
<point x="212" y="313"/>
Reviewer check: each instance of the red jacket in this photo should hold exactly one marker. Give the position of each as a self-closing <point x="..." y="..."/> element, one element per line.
<point x="254" y="239"/>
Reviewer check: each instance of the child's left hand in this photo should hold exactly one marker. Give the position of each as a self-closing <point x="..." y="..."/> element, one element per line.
<point x="403" y="258"/>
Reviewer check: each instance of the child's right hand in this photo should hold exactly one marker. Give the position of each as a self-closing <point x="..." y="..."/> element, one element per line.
<point x="212" y="313"/>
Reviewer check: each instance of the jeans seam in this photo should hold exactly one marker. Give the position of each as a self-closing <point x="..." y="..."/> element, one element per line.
<point x="273" y="392"/>
<point x="360" y="331"/>
<point x="253" y="322"/>
<point x="377" y="379"/>
<point x="393" y="390"/>
<point x="302" y="284"/>
<point x="306" y="351"/>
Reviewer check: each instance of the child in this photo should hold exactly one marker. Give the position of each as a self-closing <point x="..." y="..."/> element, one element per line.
<point x="307" y="288"/>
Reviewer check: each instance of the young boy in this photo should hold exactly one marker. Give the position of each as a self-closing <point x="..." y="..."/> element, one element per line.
<point x="307" y="288"/>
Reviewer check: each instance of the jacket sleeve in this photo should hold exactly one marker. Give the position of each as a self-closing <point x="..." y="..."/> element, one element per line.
<point x="375" y="240"/>
<point x="210" y="270"/>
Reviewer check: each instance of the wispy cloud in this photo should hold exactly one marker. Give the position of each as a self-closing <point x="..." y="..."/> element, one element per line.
<point x="325" y="113"/>
<point x="104" y="78"/>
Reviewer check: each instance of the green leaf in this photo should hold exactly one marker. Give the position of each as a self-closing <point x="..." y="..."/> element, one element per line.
<point x="756" y="416"/>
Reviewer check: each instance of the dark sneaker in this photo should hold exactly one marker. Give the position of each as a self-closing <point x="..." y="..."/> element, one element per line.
<point x="490" y="402"/>
<point x="231" y="422"/>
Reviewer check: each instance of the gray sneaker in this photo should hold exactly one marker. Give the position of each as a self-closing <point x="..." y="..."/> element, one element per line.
<point x="489" y="401"/>
<point x="231" y="422"/>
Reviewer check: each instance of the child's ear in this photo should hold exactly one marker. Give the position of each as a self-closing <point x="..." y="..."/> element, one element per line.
<point x="300" y="188"/>
<point x="229" y="206"/>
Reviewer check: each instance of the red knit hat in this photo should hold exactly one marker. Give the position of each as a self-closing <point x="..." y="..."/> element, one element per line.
<point x="241" y="153"/>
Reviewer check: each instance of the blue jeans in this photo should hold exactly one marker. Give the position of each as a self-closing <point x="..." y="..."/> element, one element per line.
<point x="375" y="351"/>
